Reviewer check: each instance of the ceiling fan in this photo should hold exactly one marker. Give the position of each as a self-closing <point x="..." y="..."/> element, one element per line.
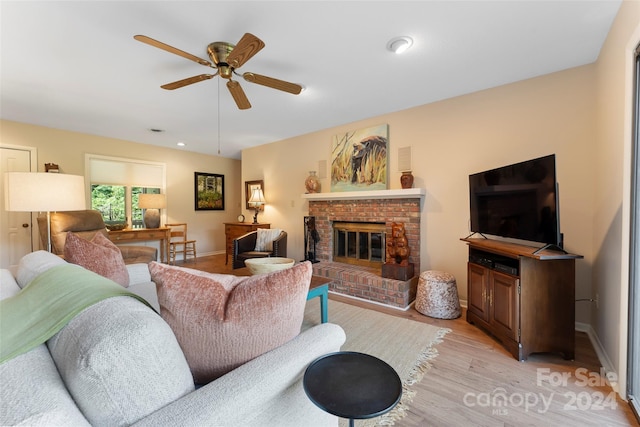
<point x="226" y="59"/>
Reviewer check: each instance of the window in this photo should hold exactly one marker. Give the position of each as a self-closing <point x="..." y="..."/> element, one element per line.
<point x="116" y="184"/>
<point x="110" y="201"/>
<point x="118" y="203"/>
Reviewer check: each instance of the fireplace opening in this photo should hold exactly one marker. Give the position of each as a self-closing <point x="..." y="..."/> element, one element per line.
<point x="359" y="243"/>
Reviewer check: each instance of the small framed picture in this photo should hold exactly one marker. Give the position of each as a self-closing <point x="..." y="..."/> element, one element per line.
<point x="249" y="186"/>
<point x="209" y="191"/>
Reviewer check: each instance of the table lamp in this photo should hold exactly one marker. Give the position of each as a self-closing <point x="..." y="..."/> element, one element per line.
<point x="43" y="192"/>
<point x="151" y="203"/>
<point x="256" y="200"/>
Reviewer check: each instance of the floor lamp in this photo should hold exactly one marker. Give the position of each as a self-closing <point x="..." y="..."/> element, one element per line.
<point x="43" y="192"/>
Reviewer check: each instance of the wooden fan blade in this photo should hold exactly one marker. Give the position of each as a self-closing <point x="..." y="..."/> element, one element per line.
<point x="171" y="49"/>
<point x="187" y="81"/>
<point x="238" y="95"/>
<point x="273" y="83"/>
<point x="248" y="46"/>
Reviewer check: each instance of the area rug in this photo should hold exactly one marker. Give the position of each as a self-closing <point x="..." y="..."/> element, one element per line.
<point x="406" y="345"/>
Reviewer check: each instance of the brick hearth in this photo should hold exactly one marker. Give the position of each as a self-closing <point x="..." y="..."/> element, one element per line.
<point x="363" y="282"/>
<point x="366" y="283"/>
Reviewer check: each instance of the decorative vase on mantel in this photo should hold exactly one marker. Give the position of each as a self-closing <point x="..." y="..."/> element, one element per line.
<point x="312" y="183"/>
<point x="406" y="179"/>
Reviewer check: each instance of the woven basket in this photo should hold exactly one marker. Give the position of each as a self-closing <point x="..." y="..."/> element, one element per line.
<point x="268" y="265"/>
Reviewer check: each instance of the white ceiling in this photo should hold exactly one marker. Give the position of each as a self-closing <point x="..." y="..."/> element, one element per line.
<point x="74" y="65"/>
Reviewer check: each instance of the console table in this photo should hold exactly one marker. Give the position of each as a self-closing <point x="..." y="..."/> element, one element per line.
<point x="233" y="230"/>
<point x="132" y="235"/>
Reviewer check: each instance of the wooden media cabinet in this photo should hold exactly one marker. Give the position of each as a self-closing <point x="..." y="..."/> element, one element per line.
<point x="523" y="296"/>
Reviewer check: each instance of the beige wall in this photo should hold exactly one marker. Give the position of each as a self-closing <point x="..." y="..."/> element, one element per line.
<point x="450" y="140"/>
<point x="584" y="115"/>
<point x="614" y="71"/>
<point x="68" y="150"/>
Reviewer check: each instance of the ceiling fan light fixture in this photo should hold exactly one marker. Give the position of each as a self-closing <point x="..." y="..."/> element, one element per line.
<point x="226" y="58"/>
<point x="400" y="44"/>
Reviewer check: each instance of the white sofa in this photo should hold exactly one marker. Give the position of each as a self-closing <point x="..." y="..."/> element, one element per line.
<point x="118" y="363"/>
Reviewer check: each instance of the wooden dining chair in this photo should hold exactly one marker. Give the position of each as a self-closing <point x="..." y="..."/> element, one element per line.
<point x="179" y="242"/>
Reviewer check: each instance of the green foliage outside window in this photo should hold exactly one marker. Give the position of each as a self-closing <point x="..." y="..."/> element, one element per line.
<point x="110" y="200"/>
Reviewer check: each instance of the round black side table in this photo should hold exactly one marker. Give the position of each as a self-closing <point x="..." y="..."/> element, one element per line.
<point x="352" y="385"/>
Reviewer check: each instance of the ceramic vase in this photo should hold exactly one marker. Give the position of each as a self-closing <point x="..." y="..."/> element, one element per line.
<point x="312" y="183"/>
<point x="406" y="180"/>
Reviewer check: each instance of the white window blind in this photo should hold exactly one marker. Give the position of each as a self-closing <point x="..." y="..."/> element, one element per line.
<point x="130" y="172"/>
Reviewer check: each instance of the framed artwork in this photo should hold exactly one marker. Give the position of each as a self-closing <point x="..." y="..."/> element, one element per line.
<point x="209" y="191"/>
<point x="359" y="159"/>
<point x="248" y="188"/>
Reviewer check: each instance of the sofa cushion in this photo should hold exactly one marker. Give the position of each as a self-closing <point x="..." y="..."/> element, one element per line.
<point x="33" y="394"/>
<point x="265" y="238"/>
<point x="140" y="283"/>
<point x="120" y="361"/>
<point x="222" y="321"/>
<point x="99" y="255"/>
<point x="31" y="265"/>
<point x="8" y="285"/>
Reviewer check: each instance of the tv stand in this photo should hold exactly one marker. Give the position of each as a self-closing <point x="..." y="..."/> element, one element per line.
<point x="522" y="295"/>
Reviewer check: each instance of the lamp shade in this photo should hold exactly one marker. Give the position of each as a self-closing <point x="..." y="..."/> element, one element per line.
<point x="43" y="192"/>
<point x="257" y="197"/>
<point x="152" y="201"/>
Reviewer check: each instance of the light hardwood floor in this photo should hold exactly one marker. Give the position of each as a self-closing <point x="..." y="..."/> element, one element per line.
<point x="474" y="381"/>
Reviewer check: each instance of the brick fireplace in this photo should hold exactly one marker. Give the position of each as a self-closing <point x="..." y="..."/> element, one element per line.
<point x="385" y="207"/>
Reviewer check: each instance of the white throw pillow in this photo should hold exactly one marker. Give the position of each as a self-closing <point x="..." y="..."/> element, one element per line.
<point x="266" y="236"/>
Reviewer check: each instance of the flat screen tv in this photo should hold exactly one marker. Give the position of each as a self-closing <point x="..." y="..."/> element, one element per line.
<point x="518" y="201"/>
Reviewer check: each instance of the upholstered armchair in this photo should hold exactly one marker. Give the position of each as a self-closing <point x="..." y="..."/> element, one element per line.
<point x="244" y="247"/>
<point x="86" y="224"/>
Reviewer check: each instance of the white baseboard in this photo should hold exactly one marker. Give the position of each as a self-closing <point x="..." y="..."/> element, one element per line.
<point x="606" y="363"/>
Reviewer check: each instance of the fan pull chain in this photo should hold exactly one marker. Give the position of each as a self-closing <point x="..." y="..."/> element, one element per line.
<point x="218" y="116"/>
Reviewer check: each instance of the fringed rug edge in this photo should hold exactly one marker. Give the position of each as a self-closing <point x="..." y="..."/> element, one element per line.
<point x="421" y="366"/>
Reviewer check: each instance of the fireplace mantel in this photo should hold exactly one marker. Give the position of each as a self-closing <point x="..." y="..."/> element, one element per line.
<point x="409" y="193"/>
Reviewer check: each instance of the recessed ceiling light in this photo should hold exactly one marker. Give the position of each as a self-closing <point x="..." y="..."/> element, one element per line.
<point x="400" y="44"/>
<point x="181" y="144"/>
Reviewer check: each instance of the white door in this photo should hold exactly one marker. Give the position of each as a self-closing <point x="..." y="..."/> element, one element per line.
<point x="15" y="227"/>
